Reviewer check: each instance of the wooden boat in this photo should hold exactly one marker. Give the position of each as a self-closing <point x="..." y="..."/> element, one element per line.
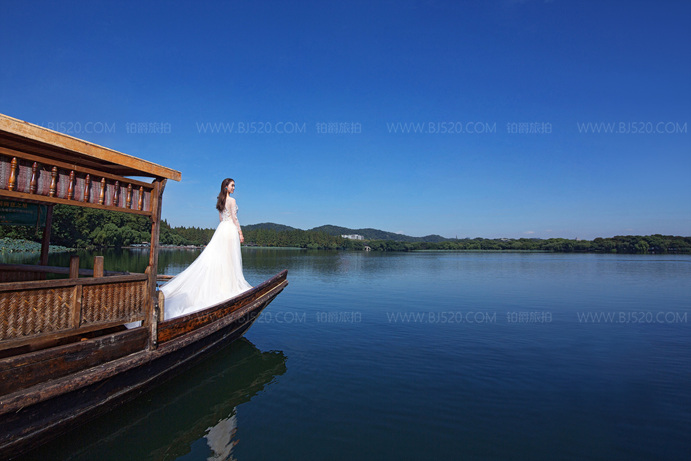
<point x="65" y="353"/>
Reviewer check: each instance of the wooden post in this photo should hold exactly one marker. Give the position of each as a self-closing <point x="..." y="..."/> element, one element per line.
<point x="152" y="269"/>
<point x="45" y="243"/>
<point x="98" y="266"/>
<point x="161" y="306"/>
<point x="74" y="267"/>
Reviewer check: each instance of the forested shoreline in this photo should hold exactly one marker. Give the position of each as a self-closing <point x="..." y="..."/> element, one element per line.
<point x="657" y="244"/>
<point x="75" y="227"/>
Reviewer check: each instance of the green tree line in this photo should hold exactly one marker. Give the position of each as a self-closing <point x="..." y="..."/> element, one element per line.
<point x="296" y="238"/>
<point x="658" y="244"/>
<point x="77" y="227"/>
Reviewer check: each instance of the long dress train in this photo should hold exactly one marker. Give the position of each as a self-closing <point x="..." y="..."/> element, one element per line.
<point x="214" y="276"/>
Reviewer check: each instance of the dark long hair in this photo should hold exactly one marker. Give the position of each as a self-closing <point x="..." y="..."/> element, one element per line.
<point x="221" y="201"/>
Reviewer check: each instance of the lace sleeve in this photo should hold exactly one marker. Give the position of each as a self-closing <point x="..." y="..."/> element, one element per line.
<point x="232" y="208"/>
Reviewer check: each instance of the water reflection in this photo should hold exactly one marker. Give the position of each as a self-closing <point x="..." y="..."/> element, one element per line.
<point x="259" y="261"/>
<point x="113" y="260"/>
<point x="221" y="438"/>
<point x="193" y="416"/>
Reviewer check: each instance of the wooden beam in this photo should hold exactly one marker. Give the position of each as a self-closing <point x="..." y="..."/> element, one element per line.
<point x="58" y="283"/>
<point x="34" y="198"/>
<point x="33" y="343"/>
<point x="55" y="270"/>
<point x="53" y="153"/>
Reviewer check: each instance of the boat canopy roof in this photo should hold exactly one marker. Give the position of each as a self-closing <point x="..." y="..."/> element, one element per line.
<point x="25" y="137"/>
<point x="43" y="166"/>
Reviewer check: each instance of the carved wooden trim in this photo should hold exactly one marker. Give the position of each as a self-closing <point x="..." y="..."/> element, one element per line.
<point x="26" y="179"/>
<point x="13" y="174"/>
<point x="53" y="181"/>
<point x="116" y="193"/>
<point x="69" y="166"/>
<point x="128" y="201"/>
<point x="102" y="196"/>
<point x="70" y="187"/>
<point x="34" y="178"/>
<point x="87" y="186"/>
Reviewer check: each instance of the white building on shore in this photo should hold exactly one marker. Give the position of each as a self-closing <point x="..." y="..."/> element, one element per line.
<point x="353" y="236"/>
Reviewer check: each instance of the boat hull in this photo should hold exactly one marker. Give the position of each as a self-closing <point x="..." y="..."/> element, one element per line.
<point x="32" y="416"/>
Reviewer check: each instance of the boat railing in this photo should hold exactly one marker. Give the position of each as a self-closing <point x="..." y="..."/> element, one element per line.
<point x="27" y="272"/>
<point x="55" y="309"/>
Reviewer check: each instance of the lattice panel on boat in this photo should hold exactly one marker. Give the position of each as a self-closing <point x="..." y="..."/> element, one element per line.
<point x="113" y="302"/>
<point x="31" y="312"/>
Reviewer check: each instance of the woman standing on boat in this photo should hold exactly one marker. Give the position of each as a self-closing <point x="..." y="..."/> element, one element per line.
<point x="216" y="274"/>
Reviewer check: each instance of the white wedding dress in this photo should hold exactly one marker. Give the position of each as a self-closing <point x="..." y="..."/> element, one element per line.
<point x="214" y="276"/>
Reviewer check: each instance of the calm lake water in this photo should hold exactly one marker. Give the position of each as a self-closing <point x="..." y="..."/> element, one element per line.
<point x="429" y="355"/>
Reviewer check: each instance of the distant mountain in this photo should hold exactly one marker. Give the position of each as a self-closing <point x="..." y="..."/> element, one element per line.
<point x="368" y="233"/>
<point x="269" y="226"/>
<point x="376" y="234"/>
<point x="430" y="238"/>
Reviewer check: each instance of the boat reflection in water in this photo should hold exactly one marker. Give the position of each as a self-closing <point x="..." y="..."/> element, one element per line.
<point x="221" y="438"/>
<point x="192" y="415"/>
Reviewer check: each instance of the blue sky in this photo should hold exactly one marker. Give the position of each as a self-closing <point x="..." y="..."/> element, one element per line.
<point x="468" y="119"/>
